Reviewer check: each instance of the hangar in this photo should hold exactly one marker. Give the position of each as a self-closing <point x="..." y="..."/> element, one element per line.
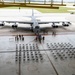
<point x="22" y="54"/>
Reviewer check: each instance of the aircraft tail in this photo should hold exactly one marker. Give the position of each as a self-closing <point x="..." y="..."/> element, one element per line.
<point x="32" y="12"/>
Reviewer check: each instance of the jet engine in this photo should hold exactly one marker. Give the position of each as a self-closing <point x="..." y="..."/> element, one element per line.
<point x="54" y="26"/>
<point x="2" y="24"/>
<point x="66" y="24"/>
<point x="14" y="26"/>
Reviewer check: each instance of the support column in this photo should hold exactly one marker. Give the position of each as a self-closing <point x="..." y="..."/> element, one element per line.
<point x="61" y="2"/>
<point x="44" y="1"/>
<point x="51" y="3"/>
<point x="25" y="2"/>
<point x="14" y="1"/>
<point x="29" y="1"/>
<point x="74" y="2"/>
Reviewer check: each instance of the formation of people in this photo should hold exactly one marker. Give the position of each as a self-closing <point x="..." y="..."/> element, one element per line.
<point x="19" y="38"/>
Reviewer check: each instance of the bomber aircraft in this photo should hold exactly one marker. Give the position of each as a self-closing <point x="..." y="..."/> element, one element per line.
<point x="34" y="25"/>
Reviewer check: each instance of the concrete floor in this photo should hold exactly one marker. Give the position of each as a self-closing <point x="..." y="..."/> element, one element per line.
<point x="53" y="56"/>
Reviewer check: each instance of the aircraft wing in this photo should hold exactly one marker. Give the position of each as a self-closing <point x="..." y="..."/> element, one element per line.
<point x="30" y="22"/>
<point x="54" y="25"/>
<point x="48" y="25"/>
<point x="46" y="22"/>
<point x="27" y="22"/>
<point x="17" y="25"/>
<point x="50" y="19"/>
<point x="16" y="20"/>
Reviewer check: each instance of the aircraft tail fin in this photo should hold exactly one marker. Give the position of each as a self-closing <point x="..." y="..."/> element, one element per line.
<point x="32" y="12"/>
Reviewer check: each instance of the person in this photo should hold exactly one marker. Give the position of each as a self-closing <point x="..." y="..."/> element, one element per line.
<point x="36" y="38"/>
<point x="19" y="8"/>
<point x="53" y="33"/>
<point x="43" y="38"/>
<point x="17" y="38"/>
<point x="40" y="40"/>
<point x="22" y="38"/>
<point x="39" y="37"/>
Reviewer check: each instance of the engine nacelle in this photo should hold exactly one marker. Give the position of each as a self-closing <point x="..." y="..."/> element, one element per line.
<point x="54" y="26"/>
<point x="14" y="26"/>
<point x="66" y="24"/>
<point x="69" y="23"/>
<point x="1" y="24"/>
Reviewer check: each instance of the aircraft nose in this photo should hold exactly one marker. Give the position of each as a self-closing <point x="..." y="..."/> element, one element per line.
<point x="37" y="27"/>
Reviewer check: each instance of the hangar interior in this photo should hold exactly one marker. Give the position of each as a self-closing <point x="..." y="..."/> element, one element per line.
<point x="22" y="54"/>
